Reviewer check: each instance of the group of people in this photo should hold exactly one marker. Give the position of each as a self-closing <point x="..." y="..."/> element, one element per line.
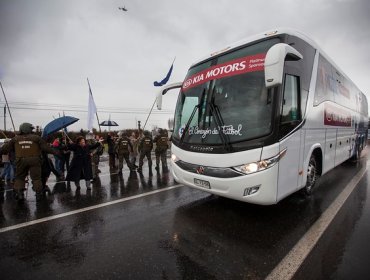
<point x="30" y="153"/>
<point x="128" y="148"/>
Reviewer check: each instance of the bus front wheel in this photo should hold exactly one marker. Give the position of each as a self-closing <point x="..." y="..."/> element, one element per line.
<point x="357" y="154"/>
<point x="312" y="176"/>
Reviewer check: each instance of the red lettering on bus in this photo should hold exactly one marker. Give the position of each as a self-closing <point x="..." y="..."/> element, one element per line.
<point x="234" y="67"/>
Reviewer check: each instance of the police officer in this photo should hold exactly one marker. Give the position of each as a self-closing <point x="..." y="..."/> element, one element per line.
<point x="96" y="153"/>
<point x="122" y="149"/>
<point x="28" y="148"/>
<point x="111" y="153"/>
<point x="161" y="149"/>
<point x="145" y="149"/>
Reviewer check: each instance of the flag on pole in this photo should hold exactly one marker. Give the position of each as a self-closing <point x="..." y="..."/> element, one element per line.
<point x="91" y="111"/>
<point x="165" y="80"/>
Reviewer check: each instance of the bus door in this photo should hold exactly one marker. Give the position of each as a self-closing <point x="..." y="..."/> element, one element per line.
<point x="290" y="166"/>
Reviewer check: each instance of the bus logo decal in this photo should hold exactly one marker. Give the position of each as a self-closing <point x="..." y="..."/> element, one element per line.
<point x="234" y="67"/>
<point x="200" y="170"/>
<point x="337" y="117"/>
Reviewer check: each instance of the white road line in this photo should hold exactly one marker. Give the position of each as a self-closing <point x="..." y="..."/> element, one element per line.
<point x="46" y="219"/>
<point x="295" y="258"/>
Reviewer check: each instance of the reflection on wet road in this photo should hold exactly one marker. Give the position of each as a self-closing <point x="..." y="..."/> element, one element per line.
<point x="65" y="196"/>
<point x="178" y="233"/>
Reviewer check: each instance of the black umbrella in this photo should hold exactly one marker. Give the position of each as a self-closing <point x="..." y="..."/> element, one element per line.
<point x="109" y="123"/>
<point x="58" y="124"/>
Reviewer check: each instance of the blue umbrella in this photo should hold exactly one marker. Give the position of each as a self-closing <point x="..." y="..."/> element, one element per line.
<point x="58" y="124"/>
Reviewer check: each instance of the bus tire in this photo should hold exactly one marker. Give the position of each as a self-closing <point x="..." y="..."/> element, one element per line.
<point x="357" y="154"/>
<point x="312" y="176"/>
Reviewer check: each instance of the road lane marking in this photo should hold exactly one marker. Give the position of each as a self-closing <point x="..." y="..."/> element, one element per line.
<point x="290" y="264"/>
<point x="46" y="219"/>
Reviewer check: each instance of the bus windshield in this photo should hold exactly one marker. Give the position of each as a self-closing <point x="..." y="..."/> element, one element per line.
<point x="225" y="100"/>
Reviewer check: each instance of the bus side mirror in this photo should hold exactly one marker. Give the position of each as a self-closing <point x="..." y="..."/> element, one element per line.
<point x="159" y="100"/>
<point x="274" y="63"/>
<point x="163" y="91"/>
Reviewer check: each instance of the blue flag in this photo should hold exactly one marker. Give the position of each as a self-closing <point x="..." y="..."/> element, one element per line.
<point x="165" y="80"/>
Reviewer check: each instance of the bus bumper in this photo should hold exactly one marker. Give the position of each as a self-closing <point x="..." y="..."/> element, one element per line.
<point x="257" y="188"/>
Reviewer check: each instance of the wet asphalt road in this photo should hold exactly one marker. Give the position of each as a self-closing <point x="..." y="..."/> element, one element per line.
<point x="179" y="233"/>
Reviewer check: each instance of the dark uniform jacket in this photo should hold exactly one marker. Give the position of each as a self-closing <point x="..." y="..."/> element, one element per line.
<point x="162" y="143"/>
<point x="123" y="146"/>
<point x="146" y="144"/>
<point x="110" y="142"/>
<point x="27" y="145"/>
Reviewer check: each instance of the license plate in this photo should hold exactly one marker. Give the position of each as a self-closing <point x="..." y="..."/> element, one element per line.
<point x="202" y="183"/>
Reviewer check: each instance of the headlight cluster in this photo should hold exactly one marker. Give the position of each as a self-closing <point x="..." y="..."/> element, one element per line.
<point x="253" y="167"/>
<point x="174" y="158"/>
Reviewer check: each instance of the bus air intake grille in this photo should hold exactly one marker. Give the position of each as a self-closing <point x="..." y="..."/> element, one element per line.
<point x="219" y="172"/>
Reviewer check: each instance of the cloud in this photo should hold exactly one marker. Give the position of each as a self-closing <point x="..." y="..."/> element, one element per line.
<point x="49" y="48"/>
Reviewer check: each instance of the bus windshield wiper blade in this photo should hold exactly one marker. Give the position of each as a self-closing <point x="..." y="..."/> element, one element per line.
<point x="192" y="116"/>
<point x="188" y="123"/>
<point x="220" y="123"/>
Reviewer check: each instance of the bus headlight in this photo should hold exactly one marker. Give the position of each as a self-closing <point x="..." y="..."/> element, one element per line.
<point x="253" y="167"/>
<point x="174" y="158"/>
<point x="249" y="168"/>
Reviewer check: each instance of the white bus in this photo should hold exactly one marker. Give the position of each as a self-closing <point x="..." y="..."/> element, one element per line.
<point x="264" y="118"/>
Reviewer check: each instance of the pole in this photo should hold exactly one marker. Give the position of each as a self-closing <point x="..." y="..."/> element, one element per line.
<point x="63" y="132"/>
<point x="7" y="105"/>
<point x="2" y="132"/>
<point x="96" y="110"/>
<point x="4" y="118"/>
<point x="149" y="113"/>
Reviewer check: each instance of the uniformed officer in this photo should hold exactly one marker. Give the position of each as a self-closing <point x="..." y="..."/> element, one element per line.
<point x="145" y="150"/>
<point x="28" y="148"/>
<point x="122" y="149"/>
<point x="111" y="153"/>
<point x="95" y="156"/>
<point x="161" y="141"/>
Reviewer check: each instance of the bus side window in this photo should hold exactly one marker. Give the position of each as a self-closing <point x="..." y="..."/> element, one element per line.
<point x="290" y="111"/>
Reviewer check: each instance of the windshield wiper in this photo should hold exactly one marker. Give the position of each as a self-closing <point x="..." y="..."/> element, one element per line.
<point x="192" y="116"/>
<point x="188" y="123"/>
<point x="215" y="111"/>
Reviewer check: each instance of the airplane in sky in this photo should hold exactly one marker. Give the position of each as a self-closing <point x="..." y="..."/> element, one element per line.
<point x="123" y="9"/>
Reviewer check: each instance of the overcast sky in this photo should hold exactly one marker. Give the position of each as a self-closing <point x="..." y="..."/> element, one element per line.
<point x="48" y="48"/>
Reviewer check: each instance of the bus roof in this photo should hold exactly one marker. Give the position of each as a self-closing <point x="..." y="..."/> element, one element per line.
<point x="260" y="36"/>
<point x="270" y="34"/>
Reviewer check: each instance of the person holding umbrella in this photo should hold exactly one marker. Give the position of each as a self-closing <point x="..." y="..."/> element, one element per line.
<point x="60" y="144"/>
<point x="111" y="153"/>
<point x="80" y="167"/>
